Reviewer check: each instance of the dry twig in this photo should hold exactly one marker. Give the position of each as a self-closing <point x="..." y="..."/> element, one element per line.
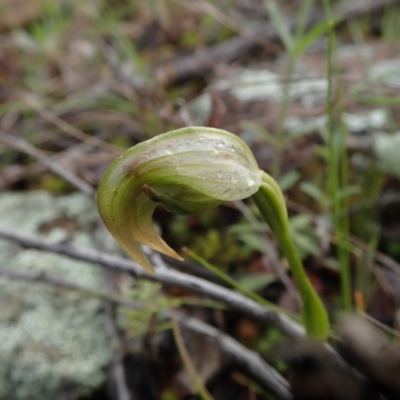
<point x="27" y="148"/>
<point x="33" y="102"/>
<point x="167" y="277"/>
<point x="245" y="358"/>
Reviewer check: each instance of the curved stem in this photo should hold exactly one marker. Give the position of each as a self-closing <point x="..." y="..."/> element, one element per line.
<point x="270" y="201"/>
<point x="313" y="312"/>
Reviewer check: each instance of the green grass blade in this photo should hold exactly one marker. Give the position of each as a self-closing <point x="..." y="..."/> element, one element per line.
<point x="335" y="153"/>
<point x="280" y="23"/>
<point x="313" y="34"/>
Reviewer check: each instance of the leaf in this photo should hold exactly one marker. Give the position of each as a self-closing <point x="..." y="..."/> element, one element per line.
<point x="255" y="282"/>
<point x="254" y="241"/>
<point x="314" y="192"/>
<point x="288" y="180"/>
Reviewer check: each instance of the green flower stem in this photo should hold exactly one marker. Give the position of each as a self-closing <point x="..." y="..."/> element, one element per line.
<point x="269" y="200"/>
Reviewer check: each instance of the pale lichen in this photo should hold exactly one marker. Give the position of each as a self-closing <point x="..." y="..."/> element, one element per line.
<point x="51" y="342"/>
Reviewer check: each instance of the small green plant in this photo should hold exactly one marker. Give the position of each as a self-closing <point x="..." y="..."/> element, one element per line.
<point x="191" y="170"/>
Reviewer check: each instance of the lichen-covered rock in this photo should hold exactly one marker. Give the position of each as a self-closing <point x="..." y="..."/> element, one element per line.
<point x="52" y="342"/>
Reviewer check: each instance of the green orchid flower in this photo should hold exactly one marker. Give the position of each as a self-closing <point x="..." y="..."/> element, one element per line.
<point x="188" y="170"/>
<point x="191" y="170"/>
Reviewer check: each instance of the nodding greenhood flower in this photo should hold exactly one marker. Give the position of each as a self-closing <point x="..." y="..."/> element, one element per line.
<point x="191" y="170"/>
<point x="188" y="170"/>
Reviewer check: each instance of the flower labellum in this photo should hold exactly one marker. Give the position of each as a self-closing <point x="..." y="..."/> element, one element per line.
<point x="188" y="170"/>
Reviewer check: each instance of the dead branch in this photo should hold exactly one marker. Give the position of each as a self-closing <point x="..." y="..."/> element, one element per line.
<point x="247" y="359"/>
<point x="165" y="276"/>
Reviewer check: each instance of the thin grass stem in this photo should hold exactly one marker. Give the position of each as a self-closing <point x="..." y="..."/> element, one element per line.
<point x="194" y="376"/>
<point x="333" y="170"/>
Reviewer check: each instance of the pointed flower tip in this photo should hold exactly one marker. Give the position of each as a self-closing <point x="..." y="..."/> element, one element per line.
<point x="148" y="268"/>
<point x="188" y="170"/>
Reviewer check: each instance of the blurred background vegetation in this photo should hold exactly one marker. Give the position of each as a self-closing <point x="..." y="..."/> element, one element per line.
<point x="312" y="87"/>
